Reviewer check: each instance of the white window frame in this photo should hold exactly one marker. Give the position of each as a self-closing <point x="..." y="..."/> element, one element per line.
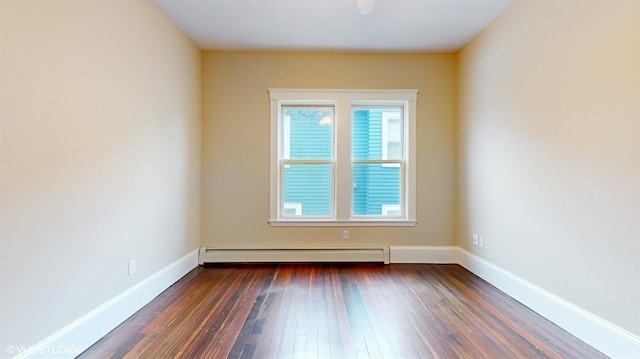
<point x="343" y="101"/>
<point x="284" y="160"/>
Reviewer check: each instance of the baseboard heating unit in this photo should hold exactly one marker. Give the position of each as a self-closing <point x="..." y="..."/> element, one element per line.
<point x="367" y="254"/>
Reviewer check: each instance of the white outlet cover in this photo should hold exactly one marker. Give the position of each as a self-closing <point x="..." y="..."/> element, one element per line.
<point x="132" y="267"/>
<point x="481" y="242"/>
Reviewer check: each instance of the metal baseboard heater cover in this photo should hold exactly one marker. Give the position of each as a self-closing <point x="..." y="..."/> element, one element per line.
<point x="242" y="255"/>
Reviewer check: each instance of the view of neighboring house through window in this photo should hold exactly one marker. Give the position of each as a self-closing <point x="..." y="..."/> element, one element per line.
<point x="392" y="135"/>
<point x="377" y="161"/>
<point x="307" y="161"/>
<point x="342" y="156"/>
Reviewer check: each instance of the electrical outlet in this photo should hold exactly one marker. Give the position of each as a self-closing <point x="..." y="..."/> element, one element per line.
<point x="345" y="234"/>
<point x="132" y="267"/>
<point x="475" y="239"/>
<point x="481" y="242"/>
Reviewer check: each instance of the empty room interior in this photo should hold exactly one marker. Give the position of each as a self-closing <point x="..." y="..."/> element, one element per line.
<point x="453" y="179"/>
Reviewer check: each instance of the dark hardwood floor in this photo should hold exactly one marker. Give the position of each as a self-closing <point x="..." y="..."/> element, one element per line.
<point x="336" y="311"/>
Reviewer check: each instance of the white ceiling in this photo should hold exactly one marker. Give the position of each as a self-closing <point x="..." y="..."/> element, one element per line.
<point x="333" y="25"/>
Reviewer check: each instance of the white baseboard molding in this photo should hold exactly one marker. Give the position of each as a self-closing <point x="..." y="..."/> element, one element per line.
<point x="423" y="254"/>
<point x="91" y="327"/>
<point x="593" y="330"/>
<point x="213" y="255"/>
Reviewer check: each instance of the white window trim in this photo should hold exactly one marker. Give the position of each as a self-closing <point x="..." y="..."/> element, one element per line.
<point x="344" y="100"/>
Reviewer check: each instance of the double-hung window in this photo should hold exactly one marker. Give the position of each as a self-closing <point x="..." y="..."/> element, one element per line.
<point x="342" y="157"/>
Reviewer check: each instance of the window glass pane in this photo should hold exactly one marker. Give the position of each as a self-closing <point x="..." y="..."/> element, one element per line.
<point x="393" y="151"/>
<point x="375" y="186"/>
<point x="291" y="209"/>
<point x="373" y="129"/>
<point x="308" y="133"/>
<point x="391" y="210"/>
<point x="289" y="212"/>
<point x="364" y="145"/>
<point x="393" y="128"/>
<point x="308" y="187"/>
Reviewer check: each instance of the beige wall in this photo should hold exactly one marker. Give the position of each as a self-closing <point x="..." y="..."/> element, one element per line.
<point x="100" y="151"/>
<point x="549" y="155"/>
<point x="236" y="142"/>
<point x="99" y="156"/>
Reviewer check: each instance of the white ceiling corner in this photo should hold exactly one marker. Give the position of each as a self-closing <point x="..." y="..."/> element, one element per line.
<point x="333" y="25"/>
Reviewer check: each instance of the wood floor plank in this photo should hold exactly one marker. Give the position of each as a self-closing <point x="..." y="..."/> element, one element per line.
<point x="336" y="311"/>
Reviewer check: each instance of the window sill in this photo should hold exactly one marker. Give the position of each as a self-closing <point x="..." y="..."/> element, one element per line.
<point x="334" y="223"/>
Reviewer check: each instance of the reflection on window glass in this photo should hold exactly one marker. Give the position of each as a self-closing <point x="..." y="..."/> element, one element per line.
<point x="308" y="133"/>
